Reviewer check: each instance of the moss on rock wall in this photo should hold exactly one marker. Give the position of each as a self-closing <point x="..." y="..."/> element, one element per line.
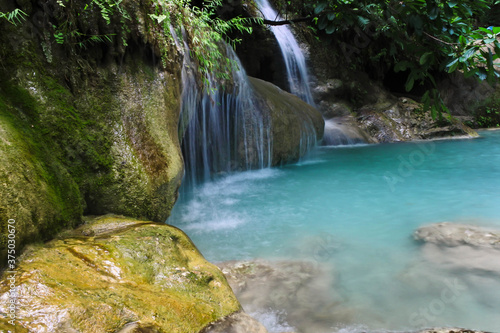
<point x="89" y="130"/>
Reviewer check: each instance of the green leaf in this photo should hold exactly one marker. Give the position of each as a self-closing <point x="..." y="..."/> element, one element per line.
<point x="485" y="30"/>
<point x="497" y="48"/>
<point x="416" y="22"/>
<point x="452" y="4"/>
<point x="481" y="74"/>
<point x="452" y="66"/>
<point x="322" y="22"/>
<point x="425" y="57"/>
<point x="452" y="63"/>
<point x="462" y="40"/>
<point x="426" y="100"/>
<point x="409" y="83"/>
<point x="467" y="8"/>
<point x="433" y="14"/>
<point x="363" y="21"/>
<point x="433" y="112"/>
<point x="402" y="66"/>
<point x="319" y="8"/>
<point x="467" y="54"/>
<point x="470" y="73"/>
<point x="331" y="28"/>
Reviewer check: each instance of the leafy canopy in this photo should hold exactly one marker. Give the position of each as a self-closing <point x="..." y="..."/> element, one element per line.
<point x="421" y="37"/>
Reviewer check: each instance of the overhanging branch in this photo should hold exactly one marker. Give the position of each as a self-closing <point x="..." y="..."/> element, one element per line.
<point x="283" y="22"/>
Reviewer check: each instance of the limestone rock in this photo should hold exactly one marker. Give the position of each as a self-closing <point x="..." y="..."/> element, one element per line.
<point x="89" y="131"/>
<point x="238" y="322"/>
<point x="452" y="234"/>
<point x="334" y="109"/>
<point x="128" y="276"/>
<point x="295" y="125"/>
<point x="450" y="330"/>
<point x="403" y="120"/>
<point x="461" y="247"/>
<point x="292" y="290"/>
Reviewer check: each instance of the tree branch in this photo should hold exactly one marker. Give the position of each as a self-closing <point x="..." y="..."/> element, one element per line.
<point x="439" y="40"/>
<point x="300" y="19"/>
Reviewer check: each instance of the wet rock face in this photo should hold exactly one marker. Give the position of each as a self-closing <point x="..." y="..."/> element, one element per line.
<point x="118" y="275"/>
<point x="403" y="120"/>
<point x="87" y="131"/>
<point x="295" y="125"/>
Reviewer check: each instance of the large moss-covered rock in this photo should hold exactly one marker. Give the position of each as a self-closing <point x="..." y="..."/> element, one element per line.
<point x="88" y="130"/>
<point x="295" y="125"/>
<point x="117" y="273"/>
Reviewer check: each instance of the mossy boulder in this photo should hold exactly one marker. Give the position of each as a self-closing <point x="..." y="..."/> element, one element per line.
<point x="116" y="272"/>
<point x="295" y="125"/>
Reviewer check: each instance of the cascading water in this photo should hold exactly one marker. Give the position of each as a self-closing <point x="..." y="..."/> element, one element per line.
<point x="220" y="126"/>
<point x="341" y="131"/>
<point x="294" y="58"/>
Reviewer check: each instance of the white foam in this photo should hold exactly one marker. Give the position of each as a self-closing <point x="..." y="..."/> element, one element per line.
<point x="272" y="320"/>
<point x="237" y="183"/>
<point x="310" y="162"/>
<point x="225" y="223"/>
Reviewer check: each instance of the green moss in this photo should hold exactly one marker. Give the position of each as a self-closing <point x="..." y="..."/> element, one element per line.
<point x="94" y="131"/>
<point x="48" y="199"/>
<point x="127" y="271"/>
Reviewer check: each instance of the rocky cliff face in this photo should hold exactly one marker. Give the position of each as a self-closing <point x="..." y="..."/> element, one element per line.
<point x="87" y="129"/>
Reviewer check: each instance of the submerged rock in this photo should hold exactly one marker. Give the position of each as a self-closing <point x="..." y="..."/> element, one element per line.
<point x="451" y="234"/>
<point x="294" y="291"/>
<point x="461" y="247"/>
<point x="449" y="330"/>
<point x="238" y="322"/>
<point x="117" y="274"/>
<point x="295" y="125"/>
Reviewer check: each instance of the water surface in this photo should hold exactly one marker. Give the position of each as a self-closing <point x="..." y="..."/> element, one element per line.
<point x="355" y="209"/>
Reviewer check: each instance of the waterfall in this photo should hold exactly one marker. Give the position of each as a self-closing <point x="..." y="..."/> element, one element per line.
<point x="220" y="127"/>
<point x="294" y="59"/>
<point x="343" y="131"/>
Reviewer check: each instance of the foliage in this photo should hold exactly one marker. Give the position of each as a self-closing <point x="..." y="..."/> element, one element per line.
<point x="488" y="115"/>
<point x="419" y="37"/>
<point x="68" y="31"/>
<point x="206" y="32"/>
<point x="74" y="23"/>
<point x="16" y="16"/>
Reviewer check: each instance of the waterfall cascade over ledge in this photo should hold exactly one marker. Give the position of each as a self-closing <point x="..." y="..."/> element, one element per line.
<point x="234" y="124"/>
<point x="298" y="79"/>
